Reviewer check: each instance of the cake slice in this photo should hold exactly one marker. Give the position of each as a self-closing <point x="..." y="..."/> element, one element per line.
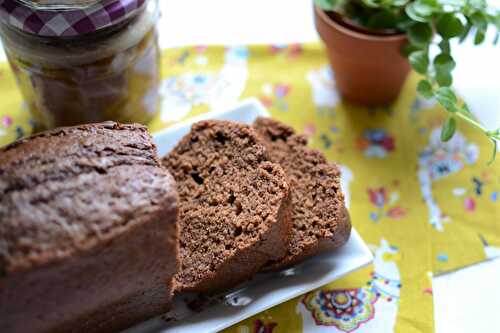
<point x="234" y="206"/>
<point x="319" y="218"/>
<point x="88" y="234"/>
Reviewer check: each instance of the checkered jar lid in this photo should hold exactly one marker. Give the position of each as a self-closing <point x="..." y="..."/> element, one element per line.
<point x="67" y="22"/>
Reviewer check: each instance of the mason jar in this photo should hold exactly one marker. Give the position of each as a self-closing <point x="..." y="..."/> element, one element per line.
<point x="84" y="61"/>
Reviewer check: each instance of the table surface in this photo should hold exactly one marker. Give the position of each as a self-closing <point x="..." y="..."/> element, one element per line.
<point x="465" y="301"/>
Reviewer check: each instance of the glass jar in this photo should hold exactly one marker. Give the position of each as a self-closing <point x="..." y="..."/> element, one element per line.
<point x="103" y="66"/>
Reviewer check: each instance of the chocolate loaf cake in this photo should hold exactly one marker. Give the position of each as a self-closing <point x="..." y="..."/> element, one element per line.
<point x="88" y="235"/>
<point x="319" y="218"/>
<point x="234" y="210"/>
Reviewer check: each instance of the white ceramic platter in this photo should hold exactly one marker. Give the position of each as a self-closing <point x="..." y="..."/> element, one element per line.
<point x="265" y="290"/>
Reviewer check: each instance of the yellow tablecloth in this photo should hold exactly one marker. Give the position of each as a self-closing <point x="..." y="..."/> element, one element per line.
<point x="423" y="206"/>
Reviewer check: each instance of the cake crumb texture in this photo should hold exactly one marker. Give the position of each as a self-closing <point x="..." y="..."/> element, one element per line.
<point x="319" y="218"/>
<point x="234" y="206"/>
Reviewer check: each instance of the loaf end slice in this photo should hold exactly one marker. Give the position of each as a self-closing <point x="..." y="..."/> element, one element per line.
<point x="320" y="221"/>
<point x="234" y="206"/>
<point x="88" y="234"/>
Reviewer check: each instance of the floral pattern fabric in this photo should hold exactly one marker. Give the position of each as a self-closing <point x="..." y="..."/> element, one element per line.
<point x="424" y="207"/>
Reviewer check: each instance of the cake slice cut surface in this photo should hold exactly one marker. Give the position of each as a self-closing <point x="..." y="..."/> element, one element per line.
<point x="320" y="221"/>
<point x="234" y="206"/>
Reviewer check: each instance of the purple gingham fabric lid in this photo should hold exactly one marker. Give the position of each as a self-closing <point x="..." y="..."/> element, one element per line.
<point x="67" y="23"/>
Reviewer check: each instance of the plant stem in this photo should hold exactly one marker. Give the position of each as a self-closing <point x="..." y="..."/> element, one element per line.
<point x="472" y="122"/>
<point x="492" y="134"/>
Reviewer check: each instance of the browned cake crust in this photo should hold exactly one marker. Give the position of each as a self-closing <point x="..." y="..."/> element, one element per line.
<point x="320" y="220"/>
<point x="234" y="206"/>
<point x="88" y="235"/>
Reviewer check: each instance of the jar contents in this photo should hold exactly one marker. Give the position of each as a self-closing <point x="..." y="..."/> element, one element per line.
<point x="112" y="74"/>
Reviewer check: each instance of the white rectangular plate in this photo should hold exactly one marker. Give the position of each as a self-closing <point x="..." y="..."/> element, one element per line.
<point x="265" y="290"/>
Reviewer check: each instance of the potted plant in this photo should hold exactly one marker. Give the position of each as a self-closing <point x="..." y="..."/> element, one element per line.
<point x="372" y="44"/>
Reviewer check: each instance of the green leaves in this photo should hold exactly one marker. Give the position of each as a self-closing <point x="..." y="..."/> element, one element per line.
<point x="443" y="65"/>
<point x="480" y="21"/>
<point x="446" y="97"/>
<point x="444" y="79"/>
<point x="419" y="11"/>
<point x="330" y="5"/>
<point x="465" y="33"/>
<point x="421" y="20"/>
<point x="448" y="26"/>
<point x="383" y="20"/>
<point x="449" y="128"/>
<point x="445" y="62"/>
<point x="420" y="34"/>
<point x="424" y="88"/>
<point x="419" y="60"/>
<point x="465" y="108"/>
<point x="327" y="5"/>
<point x="409" y="49"/>
<point x="477" y="4"/>
<point x="372" y="3"/>
<point x="479" y="38"/>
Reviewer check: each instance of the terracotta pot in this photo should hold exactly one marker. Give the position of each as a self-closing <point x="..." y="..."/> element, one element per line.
<point x="369" y="68"/>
